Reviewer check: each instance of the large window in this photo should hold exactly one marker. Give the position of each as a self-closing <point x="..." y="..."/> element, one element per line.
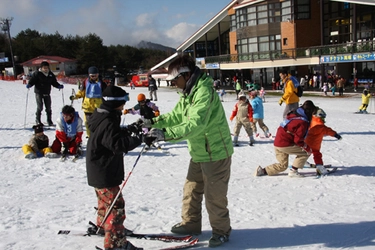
<point x="259" y="44"/>
<point x="302" y="9"/>
<point x="255" y="15"/>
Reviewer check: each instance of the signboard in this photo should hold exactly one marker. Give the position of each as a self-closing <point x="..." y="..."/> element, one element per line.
<point x="200" y="62"/>
<point x="4" y="60"/>
<point x="348" y="58"/>
<point x="212" y="66"/>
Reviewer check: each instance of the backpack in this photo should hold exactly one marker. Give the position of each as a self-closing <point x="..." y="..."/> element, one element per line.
<point x="297" y="85"/>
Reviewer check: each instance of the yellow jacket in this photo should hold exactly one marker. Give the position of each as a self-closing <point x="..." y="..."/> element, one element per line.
<point x="290" y="95"/>
<point x="366" y="98"/>
<point x="89" y="104"/>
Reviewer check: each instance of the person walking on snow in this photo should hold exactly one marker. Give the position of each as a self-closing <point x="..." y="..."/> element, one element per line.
<point x="365" y="101"/>
<point x="290" y="97"/>
<point x="258" y="115"/>
<point x="43" y="79"/>
<point x="290" y="140"/>
<point x="91" y="91"/>
<point x="315" y="136"/>
<point x="68" y="133"/>
<point x="38" y="145"/>
<point x="244" y="117"/>
<point x="105" y="165"/>
<point x="199" y="118"/>
<point x="152" y="88"/>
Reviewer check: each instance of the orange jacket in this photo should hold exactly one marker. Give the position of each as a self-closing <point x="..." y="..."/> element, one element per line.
<point x="316" y="133"/>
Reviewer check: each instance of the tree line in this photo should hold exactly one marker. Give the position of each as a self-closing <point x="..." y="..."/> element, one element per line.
<point x="88" y="50"/>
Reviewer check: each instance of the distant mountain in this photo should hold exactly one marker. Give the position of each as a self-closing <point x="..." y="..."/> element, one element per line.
<point x="150" y="45"/>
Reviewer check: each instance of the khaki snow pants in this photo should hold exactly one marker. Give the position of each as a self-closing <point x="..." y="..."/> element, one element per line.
<point x="208" y="179"/>
<point x="282" y="156"/>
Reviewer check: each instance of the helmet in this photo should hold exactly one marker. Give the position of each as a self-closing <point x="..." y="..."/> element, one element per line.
<point x="141" y="97"/>
<point x="241" y="94"/>
<point x="321" y="114"/>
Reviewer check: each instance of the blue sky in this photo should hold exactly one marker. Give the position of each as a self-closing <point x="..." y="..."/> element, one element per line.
<point x="167" y="22"/>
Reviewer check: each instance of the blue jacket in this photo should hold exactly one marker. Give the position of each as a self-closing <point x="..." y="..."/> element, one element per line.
<point x="257" y="104"/>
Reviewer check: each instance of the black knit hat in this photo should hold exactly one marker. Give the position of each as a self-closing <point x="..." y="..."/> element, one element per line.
<point x="38" y="128"/>
<point x="68" y="110"/>
<point x="93" y="70"/>
<point x="114" y="97"/>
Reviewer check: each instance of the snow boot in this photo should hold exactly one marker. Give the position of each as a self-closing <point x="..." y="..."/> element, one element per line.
<point x="293" y="173"/>
<point x="30" y="156"/>
<point x="321" y="170"/>
<point x="260" y="171"/>
<point x="251" y="142"/>
<point x="51" y="155"/>
<point x="235" y="141"/>
<point x="217" y="240"/>
<point x="187" y="229"/>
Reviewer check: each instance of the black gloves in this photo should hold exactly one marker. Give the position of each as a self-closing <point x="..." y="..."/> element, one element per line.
<point x="338" y="137"/>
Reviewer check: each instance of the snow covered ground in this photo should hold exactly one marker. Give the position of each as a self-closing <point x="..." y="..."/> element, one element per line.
<point x="41" y="196"/>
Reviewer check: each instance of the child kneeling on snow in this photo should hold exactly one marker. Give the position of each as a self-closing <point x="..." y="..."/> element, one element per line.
<point x="315" y="136"/>
<point x="38" y="145"/>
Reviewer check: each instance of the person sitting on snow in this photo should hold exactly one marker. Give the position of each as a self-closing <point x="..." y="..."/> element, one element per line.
<point x="69" y="132"/>
<point x="38" y="145"/>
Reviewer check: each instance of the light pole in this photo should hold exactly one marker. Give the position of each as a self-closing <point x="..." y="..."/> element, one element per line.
<point x="5" y="26"/>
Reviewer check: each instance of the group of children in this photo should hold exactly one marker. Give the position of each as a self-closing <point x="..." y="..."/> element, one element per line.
<point x="249" y="113"/>
<point x="69" y="131"/>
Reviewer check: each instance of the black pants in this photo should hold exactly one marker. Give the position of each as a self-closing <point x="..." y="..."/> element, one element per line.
<point x="40" y="98"/>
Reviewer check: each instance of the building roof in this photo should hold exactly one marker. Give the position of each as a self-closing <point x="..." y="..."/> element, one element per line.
<point x="50" y="59"/>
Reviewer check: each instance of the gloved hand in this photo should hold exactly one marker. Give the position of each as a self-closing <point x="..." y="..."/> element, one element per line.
<point x="231" y="118"/>
<point x="153" y="135"/>
<point x="307" y="149"/>
<point x="60" y="86"/>
<point x="135" y="128"/>
<point x="28" y="86"/>
<point x="281" y="101"/>
<point x="39" y="154"/>
<point x="251" y="119"/>
<point x="157" y="113"/>
<point x="338" y="137"/>
<point x="72" y="97"/>
<point x="126" y="111"/>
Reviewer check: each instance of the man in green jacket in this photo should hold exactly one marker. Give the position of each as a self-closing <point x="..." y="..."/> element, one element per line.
<point x="200" y="119"/>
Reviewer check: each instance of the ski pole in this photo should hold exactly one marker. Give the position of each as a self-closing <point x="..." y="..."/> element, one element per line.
<point x="27" y="98"/>
<point x="119" y="192"/>
<point x="62" y="95"/>
<point x="73" y="94"/>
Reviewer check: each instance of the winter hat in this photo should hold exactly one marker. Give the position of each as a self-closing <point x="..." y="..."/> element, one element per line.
<point x="241" y="94"/>
<point x="114" y="97"/>
<point x="141" y="97"/>
<point x="38" y="128"/>
<point x="44" y="63"/>
<point x="93" y="70"/>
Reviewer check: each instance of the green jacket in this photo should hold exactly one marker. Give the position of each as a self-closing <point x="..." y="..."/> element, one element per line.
<point x="199" y="118"/>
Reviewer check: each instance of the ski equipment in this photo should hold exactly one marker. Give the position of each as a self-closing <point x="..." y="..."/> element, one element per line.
<point x="119" y="192"/>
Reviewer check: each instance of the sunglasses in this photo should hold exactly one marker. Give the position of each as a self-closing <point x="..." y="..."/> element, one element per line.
<point x="178" y="76"/>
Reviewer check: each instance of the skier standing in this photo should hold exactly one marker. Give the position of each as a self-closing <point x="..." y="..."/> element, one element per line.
<point x="365" y="101"/>
<point x="105" y="164"/>
<point x="91" y="91"/>
<point x="244" y="117"/>
<point x="315" y="136"/>
<point x="199" y="118"/>
<point x="258" y="114"/>
<point x="43" y="80"/>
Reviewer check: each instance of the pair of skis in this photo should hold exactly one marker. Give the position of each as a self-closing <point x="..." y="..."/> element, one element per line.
<point x="188" y="239"/>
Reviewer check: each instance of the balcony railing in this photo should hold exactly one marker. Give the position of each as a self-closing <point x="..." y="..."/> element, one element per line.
<point x="326" y="50"/>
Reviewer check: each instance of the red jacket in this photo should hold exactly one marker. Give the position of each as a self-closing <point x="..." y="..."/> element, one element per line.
<point x="293" y="133"/>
